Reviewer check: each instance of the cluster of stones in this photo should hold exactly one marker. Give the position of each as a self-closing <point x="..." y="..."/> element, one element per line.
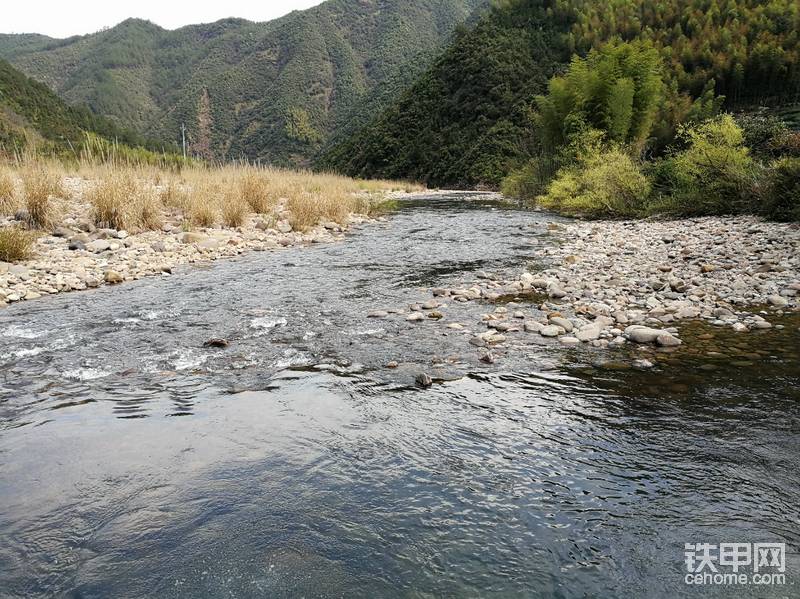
<point x="79" y="256"/>
<point x="619" y="283"/>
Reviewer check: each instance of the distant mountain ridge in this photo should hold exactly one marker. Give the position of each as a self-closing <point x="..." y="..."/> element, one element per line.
<point x="276" y="91"/>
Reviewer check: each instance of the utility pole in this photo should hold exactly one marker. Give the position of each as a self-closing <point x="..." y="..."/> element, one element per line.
<point x="183" y="139"/>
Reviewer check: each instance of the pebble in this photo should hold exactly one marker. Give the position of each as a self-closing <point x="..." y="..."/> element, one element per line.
<point x="778" y="301"/>
<point x="588" y="333"/>
<point x="562" y="322"/>
<point x="551" y="331"/>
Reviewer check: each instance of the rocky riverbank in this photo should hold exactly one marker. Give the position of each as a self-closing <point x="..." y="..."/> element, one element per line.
<point x="78" y="255"/>
<point x="611" y="284"/>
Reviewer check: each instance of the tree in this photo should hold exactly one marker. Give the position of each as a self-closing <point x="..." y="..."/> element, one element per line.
<point x="615" y="89"/>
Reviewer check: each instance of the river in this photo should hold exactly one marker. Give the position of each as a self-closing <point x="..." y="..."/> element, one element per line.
<point x="135" y="462"/>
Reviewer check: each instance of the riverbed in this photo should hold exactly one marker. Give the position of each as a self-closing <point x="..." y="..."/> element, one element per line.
<point x="135" y="462"/>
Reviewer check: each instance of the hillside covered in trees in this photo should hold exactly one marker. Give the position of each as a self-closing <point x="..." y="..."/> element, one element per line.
<point x="31" y="112"/>
<point x="470" y="118"/>
<point x="276" y="91"/>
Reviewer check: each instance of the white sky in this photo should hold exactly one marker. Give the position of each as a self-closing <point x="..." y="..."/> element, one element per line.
<point x="63" y="18"/>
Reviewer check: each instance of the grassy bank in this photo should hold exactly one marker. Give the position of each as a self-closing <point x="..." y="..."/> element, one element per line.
<point x="36" y="194"/>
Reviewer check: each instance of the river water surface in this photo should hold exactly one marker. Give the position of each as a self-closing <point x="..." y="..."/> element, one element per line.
<point x="134" y="462"/>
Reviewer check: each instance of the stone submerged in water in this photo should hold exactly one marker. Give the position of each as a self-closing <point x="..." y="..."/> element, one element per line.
<point x="217" y="343"/>
<point x="488" y="357"/>
<point x="423" y="380"/>
<point x="668" y="340"/>
<point x="532" y="326"/>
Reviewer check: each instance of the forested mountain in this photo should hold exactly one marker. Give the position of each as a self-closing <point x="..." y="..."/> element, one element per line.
<point x="274" y="91"/>
<point x="467" y="120"/>
<point x="30" y="111"/>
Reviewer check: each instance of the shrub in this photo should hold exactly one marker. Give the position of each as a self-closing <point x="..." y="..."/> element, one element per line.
<point x="234" y="209"/>
<point x="782" y="191"/>
<point x="16" y="244"/>
<point x="108" y="199"/>
<point x="39" y="186"/>
<point x="763" y="134"/>
<point x="525" y="183"/>
<point x="147" y="210"/>
<point x="603" y="183"/>
<point x="616" y="89"/>
<point x="715" y="173"/>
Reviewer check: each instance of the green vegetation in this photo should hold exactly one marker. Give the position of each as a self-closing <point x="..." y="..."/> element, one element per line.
<point x="275" y="92"/>
<point x="616" y="89"/>
<point x="714" y="174"/>
<point x="33" y="119"/>
<point x="473" y="117"/>
<point x="602" y="182"/>
<point x="709" y="171"/>
<point x="782" y="191"/>
<point x="27" y="106"/>
<point x="466" y="120"/>
<point x="596" y="121"/>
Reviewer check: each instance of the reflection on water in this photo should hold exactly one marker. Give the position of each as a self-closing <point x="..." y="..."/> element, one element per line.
<point x="299" y="467"/>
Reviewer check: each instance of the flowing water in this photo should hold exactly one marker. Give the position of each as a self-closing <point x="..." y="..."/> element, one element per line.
<point x="134" y="462"/>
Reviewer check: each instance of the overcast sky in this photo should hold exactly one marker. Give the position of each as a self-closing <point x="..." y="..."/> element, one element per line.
<point x="63" y="18"/>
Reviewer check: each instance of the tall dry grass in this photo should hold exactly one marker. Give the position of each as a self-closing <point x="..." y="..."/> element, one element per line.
<point x="204" y="200"/>
<point x="121" y="200"/>
<point x="41" y="187"/>
<point x="256" y="191"/>
<point x="235" y="208"/>
<point x="16" y="244"/>
<point x="130" y="197"/>
<point x="8" y="199"/>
